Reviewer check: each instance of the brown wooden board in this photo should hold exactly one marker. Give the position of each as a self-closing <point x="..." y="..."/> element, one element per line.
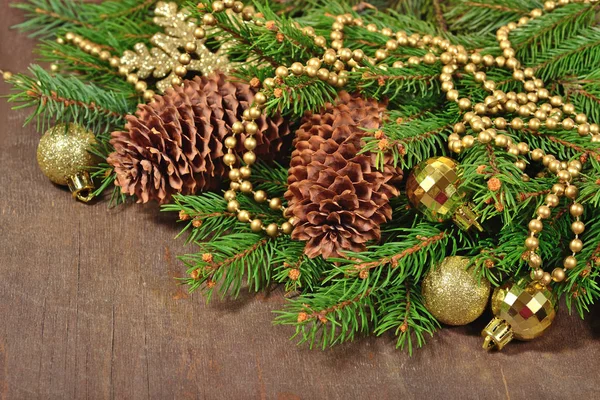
<point x="90" y="309"/>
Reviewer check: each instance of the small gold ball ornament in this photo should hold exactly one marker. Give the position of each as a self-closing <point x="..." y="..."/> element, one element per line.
<point x="63" y="156"/>
<point x="452" y="294"/>
<point x="522" y="310"/>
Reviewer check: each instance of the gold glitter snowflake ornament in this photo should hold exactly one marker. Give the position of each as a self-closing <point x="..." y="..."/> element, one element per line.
<point x="167" y="61"/>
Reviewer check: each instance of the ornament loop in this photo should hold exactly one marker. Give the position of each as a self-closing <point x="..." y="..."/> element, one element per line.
<point x="82" y="186"/>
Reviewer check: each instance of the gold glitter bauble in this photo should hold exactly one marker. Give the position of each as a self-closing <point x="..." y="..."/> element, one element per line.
<point x="452" y="294"/>
<point x="63" y="157"/>
<point x="523" y="310"/>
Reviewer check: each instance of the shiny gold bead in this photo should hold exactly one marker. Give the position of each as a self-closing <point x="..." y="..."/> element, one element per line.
<point x="287" y="228"/>
<point x="594" y="129"/>
<point x="537" y="154"/>
<point x="517" y="124"/>
<point x="456" y="146"/>
<point x="333" y="79"/>
<point x="569" y="108"/>
<point x="234" y="185"/>
<point x="549" y="5"/>
<point x="297" y="68"/>
<point x="537" y="274"/>
<point x="468" y="141"/>
<point x="484" y="137"/>
<point x="246" y="186"/>
<point x="132" y="79"/>
<point x="523" y="148"/>
<point x="308" y="31"/>
<point x="558" y="275"/>
<point x="336" y="35"/>
<point x="480" y="76"/>
<point x="414" y="60"/>
<point x="574" y="172"/>
<point x="141" y="86"/>
<point x="543" y="93"/>
<point x="535" y="261"/>
<point x="554" y="166"/>
<point x="229" y="195"/>
<point x="546" y="279"/>
<point x="234" y="174"/>
<point x="358" y="55"/>
<point x="260" y="98"/>
<point x="583" y="129"/>
<point x="501" y="141"/>
<point x="269" y="83"/>
<point x="237" y="127"/>
<point x="310" y="71"/>
<point x="243" y="216"/>
<point x="256" y="225"/>
<point x="254" y="112"/>
<point x="512" y="149"/>
<point x="576" y="164"/>
<point x="558" y="189"/>
<point x="535" y="225"/>
<point x="275" y="204"/>
<point x="576" y="245"/>
<point x="185" y="59"/>
<point x="323" y="74"/>
<point x="532" y="243"/>
<point x="459" y="128"/>
<point x="149" y="95"/>
<point x="576" y="210"/>
<point x="489" y="85"/>
<point x="250" y="143"/>
<point x="570" y="262"/>
<point x="386" y="32"/>
<point x="320" y="41"/>
<point x="523" y="111"/>
<point x="260" y="196"/>
<point x="480" y="108"/>
<point x="218" y="6"/>
<point x="209" y="20"/>
<point x="511" y="105"/>
<point x="447" y="86"/>
<point x="544" y="212"/>
<point x="381" y="55"/>
<point x="512" y="63"/>
<point x="551" y="123"/>
<point x="535" y="13"/>
<point x="568" y="124"/>
<point x="251" y="128"/>
<point x="233" y="206"/>
<point x="180" y="70"/>
<point x="564" y="176"/>
<point x="556" y="101"/>
<point x="114" y="62"/>
<point x="464" y="104"/>
<point x="282" y="72"/>
<point x="596" y="139"/>
<point x="249" y="158"/>
<point x="446" y="58"/>
<point x="552" y="200"/>
<point x="272" y="230"/>
<point x="229" y="159"/>
<point x="199" y="33"/>
<point x="429" y="58"/>
<point x="572" y="192"/>
<point x="452" y="95"/>
<point x="578" y="227"/>
<point x="547" y="159"/>
<point x="522" y="165"/>
<point x="488" y="60"/>
<point x="245" y="172"/>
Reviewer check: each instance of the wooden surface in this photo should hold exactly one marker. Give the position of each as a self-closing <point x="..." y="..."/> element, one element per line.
<point x="89" y="308"/>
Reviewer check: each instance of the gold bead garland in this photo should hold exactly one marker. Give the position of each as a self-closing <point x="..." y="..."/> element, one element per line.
<point x="331" y="68"/>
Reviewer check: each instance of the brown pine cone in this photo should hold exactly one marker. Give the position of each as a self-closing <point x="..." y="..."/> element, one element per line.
<point x="175" y="143"/>
<point x="338" y="196"/>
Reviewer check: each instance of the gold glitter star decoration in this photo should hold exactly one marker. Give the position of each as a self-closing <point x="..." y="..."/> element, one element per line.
<point x="166" y="61"/>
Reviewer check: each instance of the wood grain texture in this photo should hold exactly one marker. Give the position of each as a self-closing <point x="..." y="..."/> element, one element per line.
<point x="90" y="309"/>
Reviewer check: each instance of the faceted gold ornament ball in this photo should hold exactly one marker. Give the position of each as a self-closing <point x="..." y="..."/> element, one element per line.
<point x="63" y="152"/>
<point x="452" y="294"/>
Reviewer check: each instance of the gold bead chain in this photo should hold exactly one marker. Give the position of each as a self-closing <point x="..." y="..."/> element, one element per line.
<point x="338" y="58"/>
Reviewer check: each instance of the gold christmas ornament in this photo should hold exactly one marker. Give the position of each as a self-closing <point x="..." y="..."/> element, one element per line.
<point x="64" y="158"/>
<point x="433" y="188"/>
<point x="452" y="294"/>
<point x="522" y="310"/>
<point x="166" y="61"/>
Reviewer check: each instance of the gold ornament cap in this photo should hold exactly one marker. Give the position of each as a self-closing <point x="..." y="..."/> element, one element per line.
<point x="63" y="156"/>
<point x="523" y="310"/>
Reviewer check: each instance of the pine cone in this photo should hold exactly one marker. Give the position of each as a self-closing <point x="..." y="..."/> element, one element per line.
<point x="338" y="196"/>
<point x="175" y="144"/>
